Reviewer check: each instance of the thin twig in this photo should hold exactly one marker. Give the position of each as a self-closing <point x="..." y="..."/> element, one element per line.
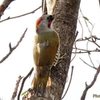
<point x="22" y="85"/>
<point x="16" y="88"/>
<point x="91" y="84"/>
<point x="85" y="51"/>
<point x="20" y="15"/>
<point x="86" y="23"/>
<point x="94" y="42"/>
<point x="11" y="49"/>
<point x="90" y="56"/>
<point x="88" y="64"/>
<point x="81" y="27"/>
<point x="69" y="83"/>
<point x="93" y="38"/>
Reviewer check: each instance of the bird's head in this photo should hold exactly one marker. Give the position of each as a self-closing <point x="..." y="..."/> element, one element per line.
<point x="44" y="22"/>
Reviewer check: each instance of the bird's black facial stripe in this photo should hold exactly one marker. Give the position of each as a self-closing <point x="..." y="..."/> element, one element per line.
<point x="50" y="18"/>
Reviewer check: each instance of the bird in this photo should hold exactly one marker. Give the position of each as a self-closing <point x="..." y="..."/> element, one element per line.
<point x="45" y="48"/>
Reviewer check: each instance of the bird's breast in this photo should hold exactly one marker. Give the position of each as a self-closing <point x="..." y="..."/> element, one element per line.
<point x="45" y="48"/>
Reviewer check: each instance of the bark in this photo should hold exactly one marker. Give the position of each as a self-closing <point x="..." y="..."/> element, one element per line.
<point x="66" y="14"/>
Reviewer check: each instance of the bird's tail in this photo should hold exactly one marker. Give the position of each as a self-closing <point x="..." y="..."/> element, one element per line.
<point x="40" y="80"/>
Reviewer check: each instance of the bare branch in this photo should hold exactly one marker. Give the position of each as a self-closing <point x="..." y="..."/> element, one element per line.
<point x="69" y="83"/>
<point x="91" y="84"/>
<point x="16" y="88"/>
<point x="22" y="85"/>
<point x="81" y="27"/>
<point x="92" y="39"/>
<point x="90" y="56"/>
<point x="85" y="51"/>
<point x="11" y="49"/>
<point x="20" y="15"/>
<point x="87" y="24"/>
<point x="88" y="64"/>
<point x="4" y="5"/>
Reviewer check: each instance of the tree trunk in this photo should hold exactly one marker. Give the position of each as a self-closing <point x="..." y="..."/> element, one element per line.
<point x="66" y="12"/>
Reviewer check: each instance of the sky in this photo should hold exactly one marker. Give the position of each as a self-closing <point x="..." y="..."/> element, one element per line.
<point x="21" y="60"/>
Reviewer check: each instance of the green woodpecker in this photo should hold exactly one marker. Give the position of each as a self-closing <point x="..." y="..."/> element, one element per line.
<point x="46" y="43"/>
